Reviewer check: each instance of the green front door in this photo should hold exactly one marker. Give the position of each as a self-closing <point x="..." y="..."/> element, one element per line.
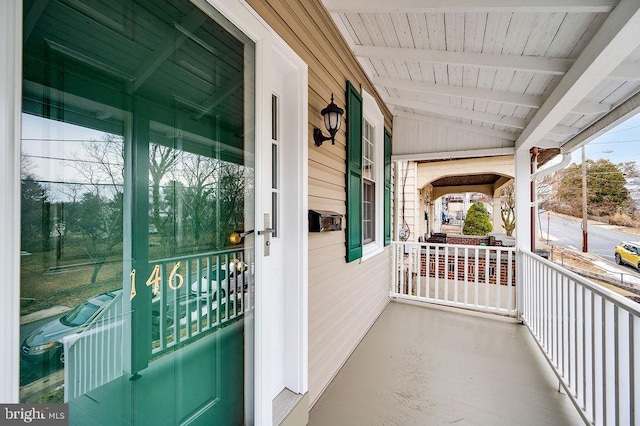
<point x="137" y="166"/>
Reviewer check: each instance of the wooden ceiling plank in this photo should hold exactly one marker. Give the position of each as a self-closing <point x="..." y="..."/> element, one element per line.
<point x="537" y="6"/>
<point x="606" y="50"/>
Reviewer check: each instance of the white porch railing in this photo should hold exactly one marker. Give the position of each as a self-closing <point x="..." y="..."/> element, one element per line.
<point x="94" y="356"/>
<point x="212" y="290"/>
<point x="590" y="336"/>
<point x="195" y="295"/>
<point x="481" y="278"/>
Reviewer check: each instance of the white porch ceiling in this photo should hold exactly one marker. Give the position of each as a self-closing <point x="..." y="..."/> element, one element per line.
<point x="536" y="73"/>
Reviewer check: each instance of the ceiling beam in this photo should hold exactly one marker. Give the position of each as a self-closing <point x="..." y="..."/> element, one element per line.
<point x="626" y="71"/>
<point x="167" y="47"/>
<point x="538" y="64"/>
<point x="511" y="98"/>
<point x="564" y="131"/>
<point x="591" y="108"/>
<point x="487" y="131"/>
<point x="440" y="191"/>
<point x="449" y="155"/>
<point x="531" y="101"/>
<point x="477" y="6"/>
<point x="502" y="120"/>
<point x="606" y="50"/>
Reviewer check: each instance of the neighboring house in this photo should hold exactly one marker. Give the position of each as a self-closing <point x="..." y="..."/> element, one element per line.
<point x="196" y="118"/>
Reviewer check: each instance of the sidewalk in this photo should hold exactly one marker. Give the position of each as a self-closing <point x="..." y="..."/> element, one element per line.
<point x="45" y="313"/>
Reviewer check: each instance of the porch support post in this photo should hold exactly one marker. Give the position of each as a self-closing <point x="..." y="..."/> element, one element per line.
<point x="436" y="217"/>
<point x="497" y="218"/>
<point x="10" y="107"/>
<point x="523" y="197"/>
<point x="534" y="202"/>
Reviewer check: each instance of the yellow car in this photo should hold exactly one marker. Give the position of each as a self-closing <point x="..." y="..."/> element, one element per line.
<point x="628" y="253"/>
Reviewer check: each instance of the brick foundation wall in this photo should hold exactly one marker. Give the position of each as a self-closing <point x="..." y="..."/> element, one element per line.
<point x="495" y="273"/>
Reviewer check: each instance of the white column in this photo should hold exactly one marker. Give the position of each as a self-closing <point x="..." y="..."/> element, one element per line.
<point x="523" y="199"/>
<point x="436" y="217"/>
<point x="423" y="207"/>
<point x="10" y="106"/>
<point x="497" y="218"/>
<point x="466" y="203"/>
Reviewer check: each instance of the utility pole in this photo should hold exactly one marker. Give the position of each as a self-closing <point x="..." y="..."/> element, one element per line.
<point x="585" y="238"/>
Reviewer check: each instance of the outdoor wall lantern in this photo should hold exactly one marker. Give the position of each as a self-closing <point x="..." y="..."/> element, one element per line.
<point x="332" y="115"/>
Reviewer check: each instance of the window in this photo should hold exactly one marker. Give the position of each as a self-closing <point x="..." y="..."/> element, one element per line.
<point x="368" y="186"/>
<point x="372" y="176"/>
<point x="275" y="161"/>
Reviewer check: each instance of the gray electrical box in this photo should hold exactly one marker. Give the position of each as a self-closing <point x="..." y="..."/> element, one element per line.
<point x="323" y="220"/>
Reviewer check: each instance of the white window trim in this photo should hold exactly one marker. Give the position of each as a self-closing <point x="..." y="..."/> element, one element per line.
<point x="373" y="114"/>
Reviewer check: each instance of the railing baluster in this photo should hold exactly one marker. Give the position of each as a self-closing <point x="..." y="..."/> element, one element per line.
<point x="411" y="267"/>
<point x="445" y="261"/>
<point x="594" y="401"/>
<point x="437" y="273"/>
<point x="455" y="275"/>
<point x="498" y="271"/>
<point x="575" y="355"/>
<point x="187" y="302"/>
<point x="466" y="275"/>
<point x="584" y="347"/>
<point x="632" y="371"/>
<point x="428" y="273"/>
<point x="487" y="268"/>
<point x="616" y="365"/>
<point x="476" y="274"/>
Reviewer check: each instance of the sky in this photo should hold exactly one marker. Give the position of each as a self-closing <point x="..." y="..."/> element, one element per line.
<point x="623" y="141"/>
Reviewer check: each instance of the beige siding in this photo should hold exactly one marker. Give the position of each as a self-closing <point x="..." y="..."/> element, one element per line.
<point x="344" y="299"/>
<point x="408" y="199"/>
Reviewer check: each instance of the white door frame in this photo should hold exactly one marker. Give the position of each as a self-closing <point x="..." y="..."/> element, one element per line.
<point x="272" y="51"/>
<point x="10" y="125"/>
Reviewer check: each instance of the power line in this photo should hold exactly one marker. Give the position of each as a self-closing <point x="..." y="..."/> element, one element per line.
<point x="622" y="130"/>
<point x="610" y="142"/>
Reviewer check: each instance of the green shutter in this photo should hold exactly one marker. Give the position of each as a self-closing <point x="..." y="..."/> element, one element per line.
<point x="354" y="174"/>
<point x="387" y="187"/>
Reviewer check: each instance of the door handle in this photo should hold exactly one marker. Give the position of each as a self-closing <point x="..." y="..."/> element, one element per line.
<point x="267" y="231"/>
<point x="237" y="237"/>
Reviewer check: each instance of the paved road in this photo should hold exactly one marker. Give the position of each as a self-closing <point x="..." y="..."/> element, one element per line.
<point x="567" y="232"/>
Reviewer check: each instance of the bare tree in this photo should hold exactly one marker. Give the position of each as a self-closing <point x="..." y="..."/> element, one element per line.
<point x="162" y="160"/>
<point x="508" y="209"/>
<point x="99" y="211"/>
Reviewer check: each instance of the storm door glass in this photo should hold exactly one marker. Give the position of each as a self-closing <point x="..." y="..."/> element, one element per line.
<point x="137" y="166"/>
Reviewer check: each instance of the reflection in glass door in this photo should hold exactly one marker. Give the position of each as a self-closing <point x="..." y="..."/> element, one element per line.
<point x="136" y="168"/>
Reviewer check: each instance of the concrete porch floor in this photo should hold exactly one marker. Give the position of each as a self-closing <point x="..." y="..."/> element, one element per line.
<point x="428" y="366"/>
